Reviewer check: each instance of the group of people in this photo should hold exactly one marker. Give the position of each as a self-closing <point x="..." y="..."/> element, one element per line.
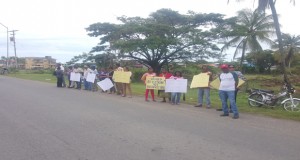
<point x="120" y="88"/>
<point x="229" y="79"/>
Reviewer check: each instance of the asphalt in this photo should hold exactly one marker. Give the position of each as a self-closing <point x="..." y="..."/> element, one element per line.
<point x="39" y="121"/>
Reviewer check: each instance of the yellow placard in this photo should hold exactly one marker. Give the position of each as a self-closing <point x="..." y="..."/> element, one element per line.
<point x="216" y="83"/>
<point x="158" y="83"/>
<point x="200" y="80"/>
<point x="121" y="77"/>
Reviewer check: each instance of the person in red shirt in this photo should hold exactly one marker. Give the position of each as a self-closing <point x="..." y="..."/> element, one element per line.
<point x="161" y="93"/>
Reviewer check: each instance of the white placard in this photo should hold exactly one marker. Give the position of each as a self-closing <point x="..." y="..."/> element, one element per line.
<point x="105" y="84"/>
<point x="75" y="77"/>
<point x="176" y="85"/>
<point x="91" y="77"/>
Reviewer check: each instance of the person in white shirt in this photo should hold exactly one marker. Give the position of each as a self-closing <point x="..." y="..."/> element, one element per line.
<point x="228" y="85"/>
<point x="86" y="71"/>
<point x="175" y="96"/>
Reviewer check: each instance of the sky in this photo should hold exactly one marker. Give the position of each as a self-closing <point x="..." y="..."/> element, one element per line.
<point x="57" y="27"/>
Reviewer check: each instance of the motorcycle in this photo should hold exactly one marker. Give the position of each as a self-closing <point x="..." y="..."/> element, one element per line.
<point x="259" y="97"/>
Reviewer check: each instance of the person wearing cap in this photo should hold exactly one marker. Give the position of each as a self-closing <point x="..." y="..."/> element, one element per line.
<point x="204" y="90"/>
<point x="228" y="84"/>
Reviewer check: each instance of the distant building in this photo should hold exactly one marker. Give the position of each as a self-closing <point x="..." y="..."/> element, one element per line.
<point x="37" y="62"/>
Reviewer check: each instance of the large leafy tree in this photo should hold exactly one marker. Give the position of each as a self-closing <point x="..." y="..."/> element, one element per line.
<point x="163" y="37"/>
<point x="250" y="30"/>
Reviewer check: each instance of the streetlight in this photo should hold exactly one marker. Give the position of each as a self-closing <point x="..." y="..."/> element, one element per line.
<point x="6" y="44"/>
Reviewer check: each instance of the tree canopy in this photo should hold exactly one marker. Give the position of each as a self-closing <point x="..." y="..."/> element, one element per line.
<point x="248" y="32"/>
<point x="163" y="37"/>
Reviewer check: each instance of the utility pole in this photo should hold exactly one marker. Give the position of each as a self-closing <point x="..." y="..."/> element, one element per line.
<point x="13" y="39"/>
<point x="7" y="47"/>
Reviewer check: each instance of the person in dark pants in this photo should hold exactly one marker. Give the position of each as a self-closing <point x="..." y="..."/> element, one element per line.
<point x="59" y="76"/>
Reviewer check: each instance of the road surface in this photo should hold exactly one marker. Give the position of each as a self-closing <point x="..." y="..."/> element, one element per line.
<point x="41" y="122"/>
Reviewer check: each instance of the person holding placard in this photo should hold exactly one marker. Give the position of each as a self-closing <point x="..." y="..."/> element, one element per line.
<point x="228" y="84"/>
<point x="239" y="74"/>
<point x="127" y="86"/>
<point x="119" y="86"/>
<point x="94" y="85"/>
<point x="150" y="73"/>
<point x="80" y="71"/>
<point x="110" y="74"/>
<point x="175" y="96"/>
<point x="102" y="75"/>
<point x="161" y="93"/>
<point x="86" y="71"/>
<point x="204" y="90"/>
<point x="69" y="71"/>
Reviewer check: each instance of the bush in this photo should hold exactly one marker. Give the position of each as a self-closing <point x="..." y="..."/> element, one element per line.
<point x="137" y="74"/>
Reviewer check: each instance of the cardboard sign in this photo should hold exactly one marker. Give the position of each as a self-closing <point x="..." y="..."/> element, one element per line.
<point x="122" y="77"/>
<point x="75" y="77"/>
<point x="91" y="77"/>
<point x="157" y="83"/>
<point x="176" y="85"/>
<point x="216" y="83"/>
<point x="105" y="84"/>
<point x="200" y="80"/>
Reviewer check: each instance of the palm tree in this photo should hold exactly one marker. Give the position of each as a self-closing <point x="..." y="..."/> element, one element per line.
<point x="291" y="45"/>
<point x="250" y="29"/>
<point x="262" y="5"/>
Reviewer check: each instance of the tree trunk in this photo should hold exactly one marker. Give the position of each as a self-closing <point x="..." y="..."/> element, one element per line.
<point x="278" y="33"/>
<point x="243" y="55"/>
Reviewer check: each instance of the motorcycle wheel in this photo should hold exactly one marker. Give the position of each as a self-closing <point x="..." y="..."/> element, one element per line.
<point x="256" y="97"/>
<point x="288" y="105"/>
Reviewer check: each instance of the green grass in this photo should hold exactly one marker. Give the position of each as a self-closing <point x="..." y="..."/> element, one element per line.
<point x="254" y="81"/>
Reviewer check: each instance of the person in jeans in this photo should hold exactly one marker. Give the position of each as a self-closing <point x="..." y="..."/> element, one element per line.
<point x="228" y="84"/>
<point x="175" y="96"/>
<point x="86" y="71"/>
<point x="162" y="93"/>
<point x="204" y="90"/>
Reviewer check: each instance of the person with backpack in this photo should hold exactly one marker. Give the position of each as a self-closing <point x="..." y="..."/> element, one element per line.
<point x="228" y="84"/>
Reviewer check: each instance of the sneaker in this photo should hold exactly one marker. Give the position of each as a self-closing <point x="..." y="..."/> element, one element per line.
<point x="224" y="115"/>
<point x="154" y="100"/>
<point x="208" y="107"/>
<point x="219" y="109"/>
<point x="236" y="117"/>
<point x="199" y="105"/>
<point x="147" y="100"/>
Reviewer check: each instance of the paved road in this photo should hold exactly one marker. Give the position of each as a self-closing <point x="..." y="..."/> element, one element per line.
<point x="41" y="122"/>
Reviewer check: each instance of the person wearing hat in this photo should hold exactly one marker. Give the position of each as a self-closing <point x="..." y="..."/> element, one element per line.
<point x="228" y="84"/>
